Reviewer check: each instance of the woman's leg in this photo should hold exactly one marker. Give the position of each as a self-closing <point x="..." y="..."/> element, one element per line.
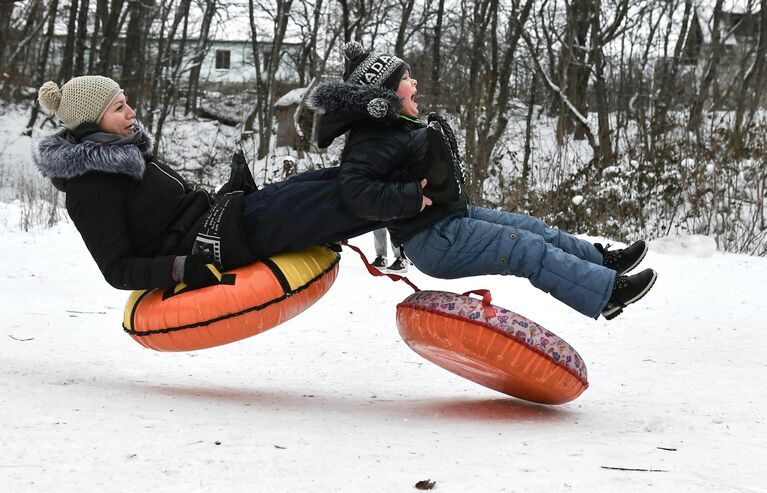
<point x="560" y="239"/>
<point x="465" y="246"/>
<point x="294" y="214"/>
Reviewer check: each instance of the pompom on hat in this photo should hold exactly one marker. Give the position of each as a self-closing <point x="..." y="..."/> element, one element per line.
<point x="372" y="68"/>
<point x="82" y="99"/>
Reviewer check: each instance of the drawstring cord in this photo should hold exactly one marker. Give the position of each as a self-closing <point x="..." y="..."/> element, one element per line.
<point x="377" y="273"/>
<point x="484" y="293"/>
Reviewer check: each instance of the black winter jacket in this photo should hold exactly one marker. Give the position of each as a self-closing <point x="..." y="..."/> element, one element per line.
<point x="134" y="213"/>
<point x="380" y="148"/>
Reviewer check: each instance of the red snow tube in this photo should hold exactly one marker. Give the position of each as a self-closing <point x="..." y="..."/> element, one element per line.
<point x="249" y="301"/>
<point x="491" y="346"/>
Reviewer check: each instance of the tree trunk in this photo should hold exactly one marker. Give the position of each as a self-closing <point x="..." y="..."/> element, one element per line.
<point x="574" y="71"/>
<point x="43" y="64"/>
<point x="101" y="8"/>
<point x="32" y="26"/>
<point x="169" y="86"/>
<point x="482" y="15"/>
<point x="132" y="79"/>
<point x="750" y="90"/>
<point x="436" y="59"/>
<point x="405" y="21"/>
<point x="82" y="34"/>
<point x="199" y="56"/>
<point x="67" y="60"/>
<point x="600" y="88"/>
<point x="696" y="112"/>
<point x="486" y="127"/>
<point x="667" y="91"/>
<point x="267" y="109"/>
<point x="526" y="167"/>
<point x="6" y="12"/>
<point x="110" y="32"/>
<point x="165" y="88"/>
<point x="248" y="125"/>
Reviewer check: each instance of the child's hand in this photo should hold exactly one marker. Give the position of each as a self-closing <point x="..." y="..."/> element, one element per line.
<point x="426" y="200"/>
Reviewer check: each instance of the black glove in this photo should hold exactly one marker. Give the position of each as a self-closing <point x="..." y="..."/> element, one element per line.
<point x="198" y="272"/>
<point x="240" y="178"/>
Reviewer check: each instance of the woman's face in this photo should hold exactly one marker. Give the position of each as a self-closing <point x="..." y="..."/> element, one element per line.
<point x="119" y="117"/>
<point x="406" y="91"/>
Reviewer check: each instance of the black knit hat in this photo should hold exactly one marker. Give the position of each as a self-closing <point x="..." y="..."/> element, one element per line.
<point x="371" y="68"/>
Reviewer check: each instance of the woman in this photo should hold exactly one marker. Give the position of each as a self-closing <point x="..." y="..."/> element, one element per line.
<point x="145" y="226"/>
<point x="385" y="151"/>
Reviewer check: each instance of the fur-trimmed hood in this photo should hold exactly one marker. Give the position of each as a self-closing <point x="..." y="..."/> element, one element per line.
<point x="61" y="156"/>
<point x="344" y="105"/>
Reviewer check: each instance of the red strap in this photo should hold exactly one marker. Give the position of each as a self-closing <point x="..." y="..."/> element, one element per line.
<point x="486" y="299"/>
<point x="377" y="273"/>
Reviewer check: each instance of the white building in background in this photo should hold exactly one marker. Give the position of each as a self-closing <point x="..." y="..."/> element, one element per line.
<point x="229" y="56"/>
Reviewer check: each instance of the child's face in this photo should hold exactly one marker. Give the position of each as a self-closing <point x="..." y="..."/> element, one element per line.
<point x="406" y="91"/>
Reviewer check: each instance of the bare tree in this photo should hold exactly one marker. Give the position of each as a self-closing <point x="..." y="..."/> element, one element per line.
<point x="406" y="9"/>
<point x="82" y="34"/>
<point x="754" y="78"/>
<point x="353" y="15"/>
<point x="168" y="66"/>
<point x="6" y="13"/>
<point x="67" y="59"/>
<point x="111" y="17"/>
<point x="263" y="111"/>
<point x="43" y="63"/>
<point x="435" y="84"/>
<point x="710" y="73"/>
<point x="199" y="55"/>
<point x="35" y="19"/>
<point x="140" y="16"/>
<point x="308" y="18"/>
<point x="489" y="80"/>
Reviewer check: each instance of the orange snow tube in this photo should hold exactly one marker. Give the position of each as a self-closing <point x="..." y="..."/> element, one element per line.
<point x="491" y="346"/>
<point x="250" y="300"/>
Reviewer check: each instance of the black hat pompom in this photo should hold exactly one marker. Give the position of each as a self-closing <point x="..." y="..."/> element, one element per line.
<point x="352" y="50"/>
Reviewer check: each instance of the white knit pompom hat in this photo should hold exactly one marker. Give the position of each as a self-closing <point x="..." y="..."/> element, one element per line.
<point x="82" y="99"/>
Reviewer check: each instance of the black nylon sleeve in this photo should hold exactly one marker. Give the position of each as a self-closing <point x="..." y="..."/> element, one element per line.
<point x="371" y="157"/>
<point x="95" y="203"/>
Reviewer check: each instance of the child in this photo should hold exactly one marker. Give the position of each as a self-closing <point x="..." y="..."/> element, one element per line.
<point x="388" y="151"/>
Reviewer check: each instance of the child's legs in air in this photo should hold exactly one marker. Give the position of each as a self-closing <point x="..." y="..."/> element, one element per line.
<point x="560" y="239"/>
<point x="465" y="246"/>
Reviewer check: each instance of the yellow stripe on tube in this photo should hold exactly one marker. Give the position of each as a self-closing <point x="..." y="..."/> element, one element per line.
<point x="128" y="314"/>
<point x="301" y="267"/>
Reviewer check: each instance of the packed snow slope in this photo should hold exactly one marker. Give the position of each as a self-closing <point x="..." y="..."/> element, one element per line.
<point x="333" y="400"/>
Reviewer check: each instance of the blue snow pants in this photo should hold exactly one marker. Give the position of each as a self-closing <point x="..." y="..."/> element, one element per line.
<point x="495" y="242"/>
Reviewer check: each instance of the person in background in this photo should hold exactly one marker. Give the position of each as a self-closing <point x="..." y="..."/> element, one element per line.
<point x="380" y="240"/>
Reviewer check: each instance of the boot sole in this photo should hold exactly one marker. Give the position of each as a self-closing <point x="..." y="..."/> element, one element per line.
<point x="614" y="312"/>
<point x="637" y="262"/>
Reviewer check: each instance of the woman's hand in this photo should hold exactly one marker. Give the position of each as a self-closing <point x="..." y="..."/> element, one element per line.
<point x="426" y="200"/>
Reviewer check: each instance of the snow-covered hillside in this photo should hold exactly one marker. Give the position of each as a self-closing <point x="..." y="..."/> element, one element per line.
<point x="334" y="400"/>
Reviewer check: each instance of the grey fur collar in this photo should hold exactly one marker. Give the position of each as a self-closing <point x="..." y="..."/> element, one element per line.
<point x="61" y="156"/>
<point x="378" y="102"/>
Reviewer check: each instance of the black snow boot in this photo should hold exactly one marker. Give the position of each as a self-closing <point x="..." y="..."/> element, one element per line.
<point x="379" y="262"/>
<point x="627" y="290"/>
<point x="622" y="261"/>
<point x="399" y="266"/>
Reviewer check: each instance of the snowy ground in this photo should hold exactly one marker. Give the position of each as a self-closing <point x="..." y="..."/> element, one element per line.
<point x="335" y="401"/>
